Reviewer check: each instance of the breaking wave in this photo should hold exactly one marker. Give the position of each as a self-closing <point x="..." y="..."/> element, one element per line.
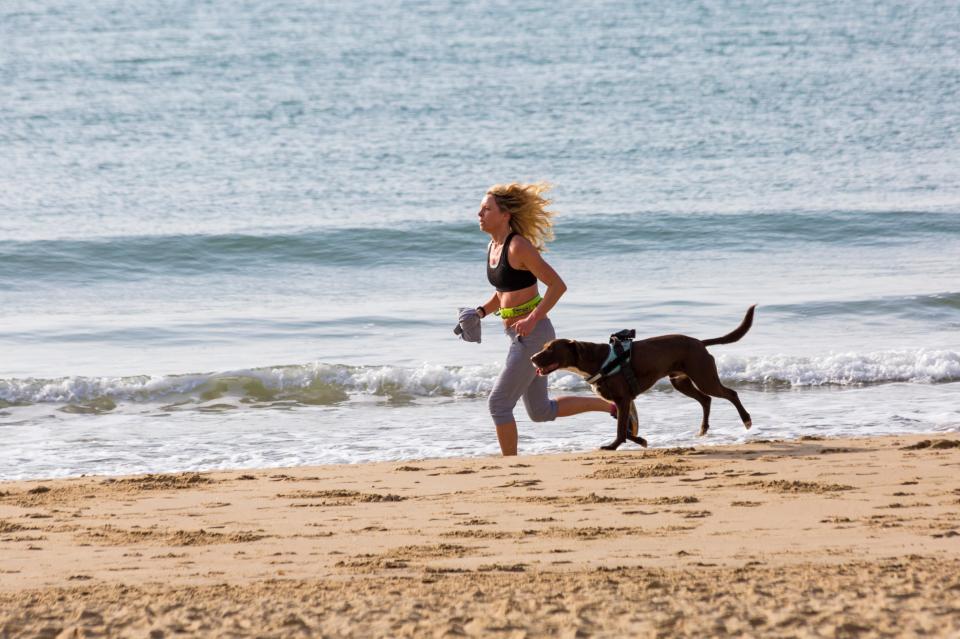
<point x="327" y="384"/>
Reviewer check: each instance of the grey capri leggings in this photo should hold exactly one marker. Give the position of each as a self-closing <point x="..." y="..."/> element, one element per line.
<point x="519" y="379"/>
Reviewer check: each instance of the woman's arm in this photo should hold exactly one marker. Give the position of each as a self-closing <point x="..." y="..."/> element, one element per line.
<point x="530" y="259"/>
<point x="492" y="305"/>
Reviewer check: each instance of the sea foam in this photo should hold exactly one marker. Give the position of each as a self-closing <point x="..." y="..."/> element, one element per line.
<point x="325" y="383"/>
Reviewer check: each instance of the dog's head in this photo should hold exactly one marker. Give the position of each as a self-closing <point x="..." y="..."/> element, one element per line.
<point x="557" y="354"/>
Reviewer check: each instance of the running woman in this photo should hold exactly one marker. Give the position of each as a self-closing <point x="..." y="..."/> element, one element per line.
<point x="519" y="225"/>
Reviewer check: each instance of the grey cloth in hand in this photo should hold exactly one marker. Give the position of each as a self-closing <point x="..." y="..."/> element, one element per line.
<point x="468" y="325"/>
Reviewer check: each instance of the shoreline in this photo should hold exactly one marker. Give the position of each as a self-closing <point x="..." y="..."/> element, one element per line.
<point x="768" y="537"/>
<point x="713" y="441"/>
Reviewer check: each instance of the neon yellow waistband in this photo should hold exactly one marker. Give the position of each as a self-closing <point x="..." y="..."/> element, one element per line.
<point x="523" y="309"/>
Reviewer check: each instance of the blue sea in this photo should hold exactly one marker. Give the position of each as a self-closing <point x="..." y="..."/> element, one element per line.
<point x="236" y="234"/>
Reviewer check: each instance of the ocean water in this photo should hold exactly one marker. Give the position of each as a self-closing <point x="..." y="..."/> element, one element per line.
<point x="237" y="234"/>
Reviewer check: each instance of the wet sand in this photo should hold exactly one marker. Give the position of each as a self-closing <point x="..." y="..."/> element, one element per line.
<point x="812" y="537"/>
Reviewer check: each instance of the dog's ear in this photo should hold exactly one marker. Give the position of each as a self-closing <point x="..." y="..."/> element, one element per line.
<point x="577" y="350"/>
<point x="549" y="348"/>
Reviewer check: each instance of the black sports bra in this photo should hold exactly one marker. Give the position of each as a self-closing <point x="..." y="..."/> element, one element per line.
<point x="504" y="277"/>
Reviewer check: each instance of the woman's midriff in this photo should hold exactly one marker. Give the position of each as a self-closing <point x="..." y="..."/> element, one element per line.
<point x="509" y="299"/>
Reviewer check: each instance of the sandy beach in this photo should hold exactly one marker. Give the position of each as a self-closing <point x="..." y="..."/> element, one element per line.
<point x="812" y="537"/>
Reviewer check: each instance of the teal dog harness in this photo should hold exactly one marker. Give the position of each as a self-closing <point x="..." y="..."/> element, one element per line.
<point x="618" y="360"/>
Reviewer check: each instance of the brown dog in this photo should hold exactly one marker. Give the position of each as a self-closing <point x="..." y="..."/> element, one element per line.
<point x="691" y="368"/>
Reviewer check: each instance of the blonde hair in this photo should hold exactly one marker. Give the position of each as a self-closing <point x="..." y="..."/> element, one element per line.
<point x="528" y="210"/>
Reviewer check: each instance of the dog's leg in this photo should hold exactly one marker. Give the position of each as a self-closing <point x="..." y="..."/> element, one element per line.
<point x="636" y="439"/>
<point x="683" y="384"/>
<point x="708" y="381"/>
<point x="623" y="425"/>
<point x="734" y="399"/>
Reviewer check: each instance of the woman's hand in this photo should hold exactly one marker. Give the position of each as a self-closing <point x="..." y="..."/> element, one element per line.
<point x="526" y="325"/>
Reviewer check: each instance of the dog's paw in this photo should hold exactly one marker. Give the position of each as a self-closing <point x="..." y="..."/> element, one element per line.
<point x="612" y="445"/>
<point x="747" y="424"/>
<point x="703" y="431"/>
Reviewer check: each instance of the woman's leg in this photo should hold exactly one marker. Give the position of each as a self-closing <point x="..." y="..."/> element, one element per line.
<point x="507" y="436"/>
<point x="514" y="380"/>
<point x="573" y="405"/>
<point x="536" y="399"/>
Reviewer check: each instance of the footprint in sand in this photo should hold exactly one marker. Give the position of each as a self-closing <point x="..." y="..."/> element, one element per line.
<point x="520" y="483"/>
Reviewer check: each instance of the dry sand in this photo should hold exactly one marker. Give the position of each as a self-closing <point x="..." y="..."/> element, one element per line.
<point x="838" y="538"/>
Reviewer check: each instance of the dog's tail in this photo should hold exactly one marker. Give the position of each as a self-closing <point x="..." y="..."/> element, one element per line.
<point x="735" y="336"/>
